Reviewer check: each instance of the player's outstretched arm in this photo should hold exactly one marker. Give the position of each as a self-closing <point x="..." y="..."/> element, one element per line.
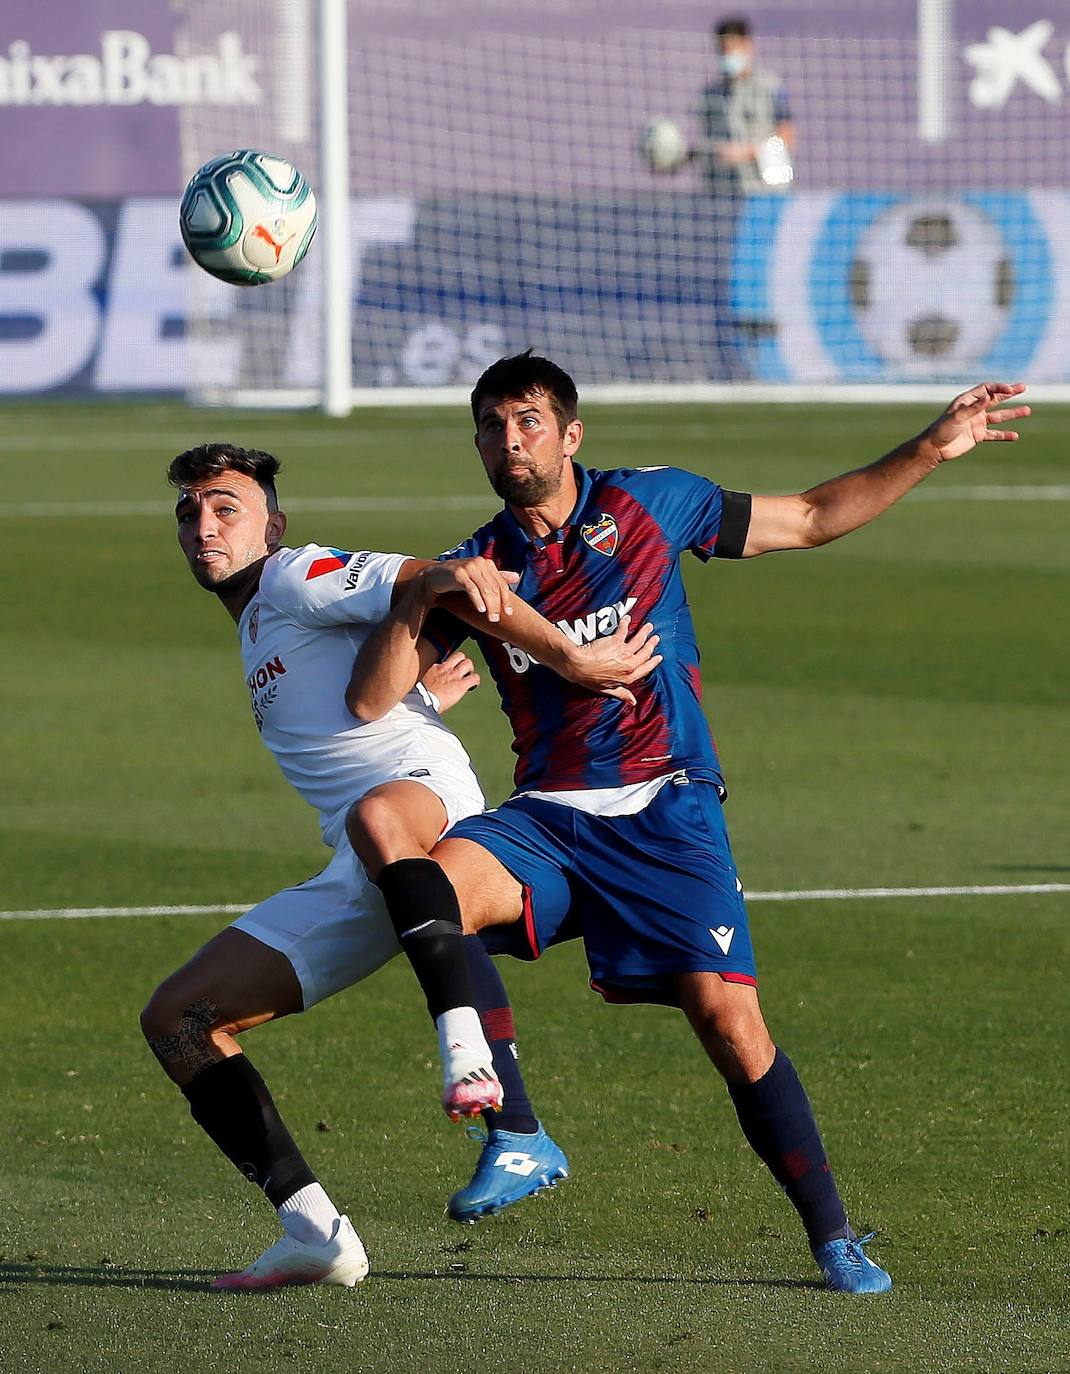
<point x="845" y="503"/>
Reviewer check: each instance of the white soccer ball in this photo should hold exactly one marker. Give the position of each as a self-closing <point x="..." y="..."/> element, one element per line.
<point x="932" y="284"/>
<point x="662" y="144"/>
<point x="248" y="217"/>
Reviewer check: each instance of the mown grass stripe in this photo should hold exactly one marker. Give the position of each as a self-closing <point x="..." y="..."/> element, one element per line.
<point x="110" y="509"/>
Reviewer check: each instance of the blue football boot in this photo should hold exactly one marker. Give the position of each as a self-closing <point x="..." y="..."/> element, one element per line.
<point x="511" y="1167"/>
<point x="847" y="1269"/>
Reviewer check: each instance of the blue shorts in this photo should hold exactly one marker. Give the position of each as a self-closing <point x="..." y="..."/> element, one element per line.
<point x="652" y="894"/>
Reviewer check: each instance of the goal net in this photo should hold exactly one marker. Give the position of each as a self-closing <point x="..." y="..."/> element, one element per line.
<point x="877" y="198"/>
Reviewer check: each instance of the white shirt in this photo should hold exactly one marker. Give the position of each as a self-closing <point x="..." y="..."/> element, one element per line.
<point x="299" y="636"/>
<point x="628" y="800"/>
<point x="609" y="801"/>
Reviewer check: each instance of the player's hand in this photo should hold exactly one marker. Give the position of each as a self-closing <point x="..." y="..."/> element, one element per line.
<point x="486" y="587"/>
<point x="451" y="679"/>
<point x="608" y="666"/>
<point x="969" y="419"/>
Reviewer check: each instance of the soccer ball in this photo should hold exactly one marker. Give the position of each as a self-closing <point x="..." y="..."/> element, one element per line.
<point x="661" y="145"/>
<point x="932" y="285"/>
<point x="247" y="217"/>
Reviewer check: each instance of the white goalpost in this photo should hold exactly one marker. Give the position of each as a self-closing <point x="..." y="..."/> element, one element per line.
<point x="337" y="291"/>
<point x="485" y="184"/>
<point x="934" y="57"/>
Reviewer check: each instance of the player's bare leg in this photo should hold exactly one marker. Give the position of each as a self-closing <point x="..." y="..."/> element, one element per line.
<point x="778" y="1122"/>
<point x="233" y="983"/>
<point x="229" y="986"/>
<point x="488" y="893"/>
<point x="729" y="1023"/>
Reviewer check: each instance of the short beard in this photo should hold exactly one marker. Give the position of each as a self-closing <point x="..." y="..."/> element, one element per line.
<point x="528" y="490"/>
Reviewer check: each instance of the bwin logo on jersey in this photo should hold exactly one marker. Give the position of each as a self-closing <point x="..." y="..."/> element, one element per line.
<point x="588" y="628"/>
<point x="602" y="622"/>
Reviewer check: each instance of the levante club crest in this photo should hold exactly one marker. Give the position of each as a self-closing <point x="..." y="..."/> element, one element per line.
<point x="602" y="535"/>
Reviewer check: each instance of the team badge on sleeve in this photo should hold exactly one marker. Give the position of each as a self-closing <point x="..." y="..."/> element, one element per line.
<point x="602" y="535"/>
<point x="319" y="566"/>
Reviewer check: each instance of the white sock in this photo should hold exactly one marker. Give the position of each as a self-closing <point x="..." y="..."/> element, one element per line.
<point x="309" y="1216"/>
<point x="461" y="1028"/>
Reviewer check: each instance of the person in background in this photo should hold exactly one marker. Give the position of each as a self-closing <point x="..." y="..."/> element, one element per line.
<point x="747" y="135"/>
<point x="745" y="147"/>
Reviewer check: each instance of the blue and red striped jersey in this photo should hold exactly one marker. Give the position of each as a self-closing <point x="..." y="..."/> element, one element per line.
<point x="618" y="553"/>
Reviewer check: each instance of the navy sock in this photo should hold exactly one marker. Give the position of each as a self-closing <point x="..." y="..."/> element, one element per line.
<point x="492" y="1003"/>
<point x="779" y="1124"/>
<point x="424" y="911"/>
<point x="231" y="1103"/>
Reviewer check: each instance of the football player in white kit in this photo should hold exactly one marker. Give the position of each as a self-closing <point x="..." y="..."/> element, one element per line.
<point x="302" y="614"/>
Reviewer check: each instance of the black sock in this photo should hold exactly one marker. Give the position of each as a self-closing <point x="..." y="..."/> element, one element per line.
<point x="492" y="1003"/>
<point x="779" y="1124"/>
<point x="231" y="1102"/>
<point x="423" y="908"/>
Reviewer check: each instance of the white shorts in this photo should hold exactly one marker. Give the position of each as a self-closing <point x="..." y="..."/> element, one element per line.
<point x="334" y="928"/>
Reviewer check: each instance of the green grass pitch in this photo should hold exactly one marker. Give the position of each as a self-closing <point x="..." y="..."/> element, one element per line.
<point x="891" y="711"/>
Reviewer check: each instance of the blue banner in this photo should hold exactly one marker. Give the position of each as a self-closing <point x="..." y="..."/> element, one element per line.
<point x="818" y="287"/>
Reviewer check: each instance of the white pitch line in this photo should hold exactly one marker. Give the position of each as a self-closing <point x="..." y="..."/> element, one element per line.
<point x="816" y="894"/>
<point x="846" y="894"/>
<point x="74" y="913"/>
<point x="26" y="441"/>
<point x="313" y="504"/>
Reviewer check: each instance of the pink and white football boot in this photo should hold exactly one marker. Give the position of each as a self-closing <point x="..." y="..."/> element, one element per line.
<point x="469" y="1083"/>
<point x="341" y="1260"/>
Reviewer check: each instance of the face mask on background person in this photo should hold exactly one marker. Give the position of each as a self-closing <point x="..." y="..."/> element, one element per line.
<point x="733" y="63"/>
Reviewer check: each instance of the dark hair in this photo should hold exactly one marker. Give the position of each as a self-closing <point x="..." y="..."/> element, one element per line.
<point x="209" y="460"/>
<point x="732" y="28"/>
<point x="522" y="375"/>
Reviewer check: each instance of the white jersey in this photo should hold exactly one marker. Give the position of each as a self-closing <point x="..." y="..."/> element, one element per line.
<point x="299" y="636"/>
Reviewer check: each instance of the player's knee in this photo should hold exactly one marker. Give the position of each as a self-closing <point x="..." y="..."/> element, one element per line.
<point x="723" y="1027"/>
<point x="740" y="1049"/>
<point x="160" y="1015"/>
<point x="728" y="1021"/>
<point x="180" y="1025"/>
<point x="376" y="832"/>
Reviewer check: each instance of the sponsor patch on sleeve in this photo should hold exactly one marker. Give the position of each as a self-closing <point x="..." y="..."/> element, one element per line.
<point x="320" y="566"/>
<point x="356" y="564"/>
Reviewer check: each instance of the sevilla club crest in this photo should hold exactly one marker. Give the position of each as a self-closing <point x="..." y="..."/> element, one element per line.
<point x="602" y="535"/>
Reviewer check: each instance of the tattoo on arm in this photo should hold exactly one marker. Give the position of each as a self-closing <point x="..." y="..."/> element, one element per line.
<point x="190" y="1046"/>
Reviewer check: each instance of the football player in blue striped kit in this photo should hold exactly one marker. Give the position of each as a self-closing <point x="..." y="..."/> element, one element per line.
<point x="300" y="614"/>
<point x="615" y="830"/>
